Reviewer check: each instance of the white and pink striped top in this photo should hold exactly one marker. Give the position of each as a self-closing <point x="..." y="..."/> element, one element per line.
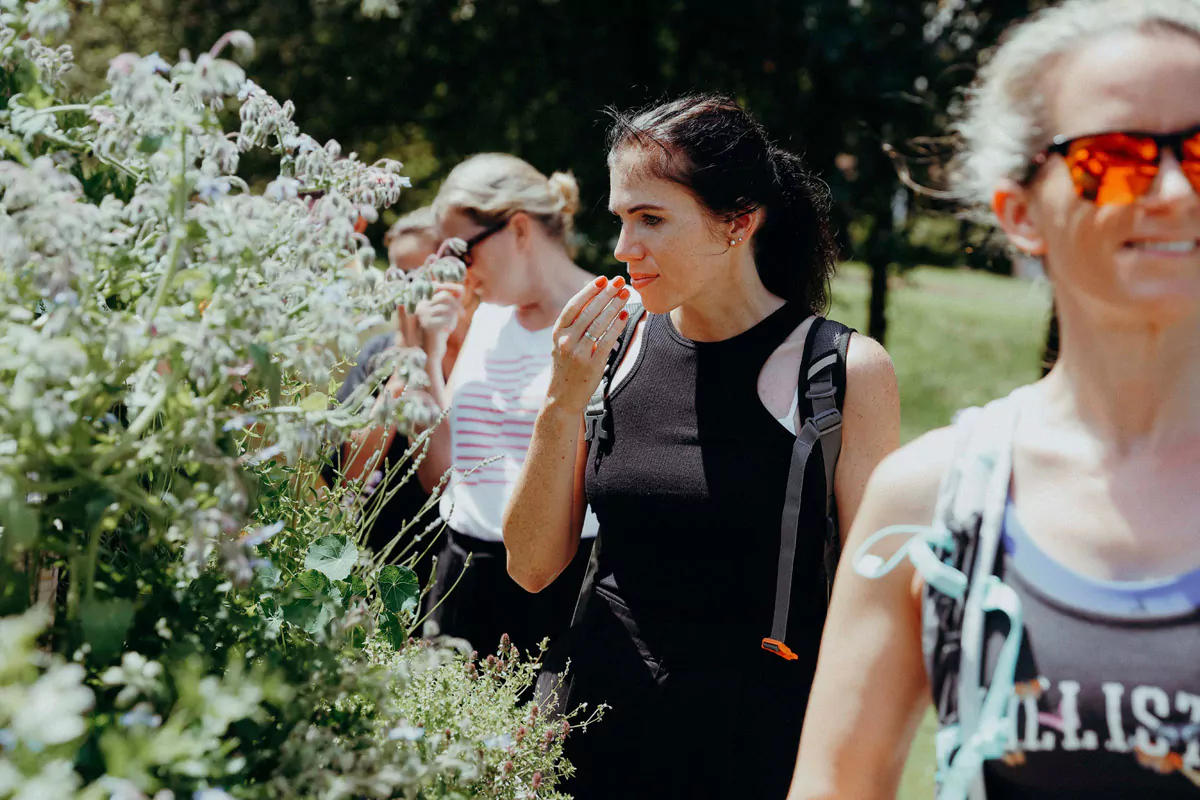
<point x="498" y="386"/>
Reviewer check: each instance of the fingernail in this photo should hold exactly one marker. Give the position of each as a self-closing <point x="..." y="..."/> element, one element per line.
<point x="619" y="282"/>
<point x="624" y="315"/>
<point x="623" y="294"/>
<point x="601" y="280"/>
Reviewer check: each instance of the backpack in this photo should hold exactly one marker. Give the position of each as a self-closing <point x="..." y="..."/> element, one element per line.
<point x="956" y="557"/>
<point x="819" y="435"/>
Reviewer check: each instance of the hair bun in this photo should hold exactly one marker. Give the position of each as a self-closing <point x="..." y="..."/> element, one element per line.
<point x="566" y="188"/>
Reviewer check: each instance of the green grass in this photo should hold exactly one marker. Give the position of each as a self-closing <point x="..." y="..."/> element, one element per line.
<point x="957" y="339"/>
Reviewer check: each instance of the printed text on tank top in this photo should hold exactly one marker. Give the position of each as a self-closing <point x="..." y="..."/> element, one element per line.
<point x="1106" y="684"/>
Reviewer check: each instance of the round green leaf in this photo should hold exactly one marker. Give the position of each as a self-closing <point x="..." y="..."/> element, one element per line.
<point x="399" y="589"/>
<point x="332" y="556"/>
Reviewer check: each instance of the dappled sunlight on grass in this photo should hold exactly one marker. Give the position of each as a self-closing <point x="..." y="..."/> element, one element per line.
<point x="957" y="338"/>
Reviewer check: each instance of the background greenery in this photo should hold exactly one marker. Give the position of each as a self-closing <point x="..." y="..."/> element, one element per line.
<point x="837" y="80"/>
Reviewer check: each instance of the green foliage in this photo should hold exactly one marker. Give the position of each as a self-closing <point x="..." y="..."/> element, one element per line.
<point x="182" y="612"/>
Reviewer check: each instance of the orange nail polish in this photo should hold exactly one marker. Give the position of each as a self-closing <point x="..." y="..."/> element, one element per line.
<point x="623" y="294"/>
<point x="601" y="280"/>
<point x="619" y="282"/>
<point x="624" y="315"/>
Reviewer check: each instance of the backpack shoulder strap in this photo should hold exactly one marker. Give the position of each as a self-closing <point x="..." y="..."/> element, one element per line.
<point x="823" y="374"/>
<point x="971" y="504"/>
<point x="597" y="417"/>
<point x="598" y="427"/>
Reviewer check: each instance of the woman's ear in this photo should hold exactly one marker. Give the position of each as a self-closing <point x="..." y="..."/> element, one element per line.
<point x="522" y="228"/>
<point x="744" y="226"/>
<point x="1012" y="206"/>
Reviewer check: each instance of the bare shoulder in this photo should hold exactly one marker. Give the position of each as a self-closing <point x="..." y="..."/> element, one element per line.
<point x="867" y="360"/>
<point x="904" y="487"/>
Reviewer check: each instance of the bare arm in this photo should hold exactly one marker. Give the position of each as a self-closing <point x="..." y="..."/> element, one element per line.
<point x="436" y="318"/>
<point x="871" y="689"/>
<point x="544" y="516"/>
<point x="870" y="423"/>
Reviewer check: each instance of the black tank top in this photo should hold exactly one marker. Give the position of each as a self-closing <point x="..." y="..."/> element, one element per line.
<point x="690" y="497"/>
<point x="1108" y="684"/>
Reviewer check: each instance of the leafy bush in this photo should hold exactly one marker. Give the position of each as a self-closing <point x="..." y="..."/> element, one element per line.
<point x="182" y="612"/>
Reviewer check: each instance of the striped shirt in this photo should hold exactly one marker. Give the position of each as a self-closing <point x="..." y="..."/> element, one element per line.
<point x="497" y="388"/>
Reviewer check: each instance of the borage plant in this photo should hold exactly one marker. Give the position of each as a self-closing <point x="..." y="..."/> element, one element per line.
<point x="183" y="612"/>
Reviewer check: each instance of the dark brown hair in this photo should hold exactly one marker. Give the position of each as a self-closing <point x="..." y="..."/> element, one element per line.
<point x="713" y="148"/>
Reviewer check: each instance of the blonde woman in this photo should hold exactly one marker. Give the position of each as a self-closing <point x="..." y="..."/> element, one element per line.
<point x="1057" y="588"/>
<point x="517" y="225"/>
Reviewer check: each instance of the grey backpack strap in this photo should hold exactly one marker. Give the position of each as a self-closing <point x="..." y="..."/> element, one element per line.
<point x="826" y="369"/>
<point x="554" y="683"/>
<point x="597" y="417"/>
<point x="598" y="433"/>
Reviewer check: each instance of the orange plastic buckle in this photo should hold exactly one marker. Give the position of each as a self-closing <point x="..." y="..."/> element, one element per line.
<point x="779" y="648"/>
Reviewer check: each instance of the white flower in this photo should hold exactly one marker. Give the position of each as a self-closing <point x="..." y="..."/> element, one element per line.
<point x="54" y="707"/>
<point x="56" y="779"/>
<point x="282" y="189"/>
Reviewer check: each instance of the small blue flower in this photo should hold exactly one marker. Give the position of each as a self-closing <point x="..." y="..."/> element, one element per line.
<point x="406" y="733"/>
<point x="142" y="715"/>
<point x="211" y="794"/>
<point x="156" y="63"/>
<point x="8" y="739"/>
<point x="210" y="189"/>
<point x="498" y="742"/>
<point x="262" y="534"/>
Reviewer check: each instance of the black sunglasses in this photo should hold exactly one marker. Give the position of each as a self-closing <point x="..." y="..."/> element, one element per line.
<point x="461" y="248"/>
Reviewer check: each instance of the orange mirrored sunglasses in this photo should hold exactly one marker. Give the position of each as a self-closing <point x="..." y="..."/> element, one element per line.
<point x="1118" y="167"/>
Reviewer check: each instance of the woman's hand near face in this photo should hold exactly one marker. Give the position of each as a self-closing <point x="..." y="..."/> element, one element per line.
<point x="438" y="317"/>
<point x="544" y="516"/>
<point x="584" y="335"/>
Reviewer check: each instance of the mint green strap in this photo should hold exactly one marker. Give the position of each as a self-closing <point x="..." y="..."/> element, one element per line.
<point x="919" y="550"/>
<point x="993" y="736"/>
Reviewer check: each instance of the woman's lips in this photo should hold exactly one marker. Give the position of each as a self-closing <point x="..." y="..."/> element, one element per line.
<point x="638" y="281"/>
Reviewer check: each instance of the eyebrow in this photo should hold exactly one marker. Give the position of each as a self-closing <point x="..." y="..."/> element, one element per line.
<point x="640" y="207"/>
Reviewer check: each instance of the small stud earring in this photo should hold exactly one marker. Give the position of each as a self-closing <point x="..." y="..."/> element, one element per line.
<point x="732" y="243"/>
<point x="739" y="240"/>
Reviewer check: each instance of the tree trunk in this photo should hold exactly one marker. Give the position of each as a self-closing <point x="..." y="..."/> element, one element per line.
<point x="877" y="324"/>
<point x="879" y="258"/>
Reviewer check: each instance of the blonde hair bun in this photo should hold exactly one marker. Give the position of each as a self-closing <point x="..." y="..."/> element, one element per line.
<point x="564" y="186"/>
<point x="491" y="187"/>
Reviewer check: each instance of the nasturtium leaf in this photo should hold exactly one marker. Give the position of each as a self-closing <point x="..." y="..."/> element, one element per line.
<point x="315" y="604"/>
<point x="332" y="556"/>
<point x="399" y="589"/>
<point x="105" y="623"/>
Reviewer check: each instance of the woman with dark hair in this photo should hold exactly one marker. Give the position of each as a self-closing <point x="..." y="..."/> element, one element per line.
<point x="726" y="239"/>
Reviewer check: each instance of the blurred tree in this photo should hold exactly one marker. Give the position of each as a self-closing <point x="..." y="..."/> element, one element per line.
<point x="836" y="80"/>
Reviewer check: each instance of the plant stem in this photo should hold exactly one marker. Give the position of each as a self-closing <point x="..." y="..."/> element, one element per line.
<point x="177" y="233"/>
<point x="93" y="553"/>
<point x="72" y="107"/>
<point x="458" y="580"/>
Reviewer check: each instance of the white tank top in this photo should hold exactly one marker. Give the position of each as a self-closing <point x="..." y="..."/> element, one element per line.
<point x="498" y="386"/>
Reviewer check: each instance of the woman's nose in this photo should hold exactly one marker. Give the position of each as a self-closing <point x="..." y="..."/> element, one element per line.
<point x="627" y="248"/>
<point x="1172" y="183"/>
